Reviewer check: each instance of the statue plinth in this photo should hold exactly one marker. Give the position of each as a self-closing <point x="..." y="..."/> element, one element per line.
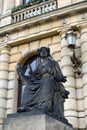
<point x="24" y="121"/>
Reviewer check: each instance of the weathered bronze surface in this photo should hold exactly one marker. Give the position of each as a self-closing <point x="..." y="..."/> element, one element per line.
<point x="44" y="90"/>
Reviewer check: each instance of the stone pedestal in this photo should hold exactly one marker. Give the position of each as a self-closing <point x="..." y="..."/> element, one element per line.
<point x="24" y="121"/>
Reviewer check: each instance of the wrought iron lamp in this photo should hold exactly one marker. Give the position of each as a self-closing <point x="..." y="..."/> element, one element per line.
<point x="71" y="40"/>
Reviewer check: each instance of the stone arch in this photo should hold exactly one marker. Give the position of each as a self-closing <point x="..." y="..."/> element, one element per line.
<point x="26" y="56"/>
<point x="23" y="59"/>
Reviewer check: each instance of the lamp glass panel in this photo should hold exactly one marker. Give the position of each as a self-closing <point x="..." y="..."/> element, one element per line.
<point x="71" y="39"/>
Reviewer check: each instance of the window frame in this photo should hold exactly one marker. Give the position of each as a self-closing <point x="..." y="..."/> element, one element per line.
<point x="20" y="85"/>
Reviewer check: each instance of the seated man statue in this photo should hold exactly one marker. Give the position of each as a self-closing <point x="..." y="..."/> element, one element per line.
<point x="44" y="90"/>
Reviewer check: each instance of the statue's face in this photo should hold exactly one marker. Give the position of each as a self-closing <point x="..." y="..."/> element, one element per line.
<point x="43" y="52"/>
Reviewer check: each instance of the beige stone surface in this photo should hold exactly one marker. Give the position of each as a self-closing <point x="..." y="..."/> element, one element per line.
<point x="55" y="48"/>
<point x="9" y="103"/>
<point x="11" y="84"/>
<point x="22" y="33"/>
<point x="3" y="74"/>
<point x="14" y="50"/>
<point x="3" y="93"/>
<point x="84" y="79"/>
<point x="84" y="47"/>
<point x="45" y="42"/>
<point x="70" y="82"/>
<point x="10" y="93"/>
<point x="56" y="39"/>
<point x="63" y="3"/>
<point x="70" y="104"/>
<point x="1" y="3"/>
<point x="71" y="113"/>
<point x="1" y="127"/>
<point x="34" y="45"/>
<point x="2" y="103"/>
<point x="4" y="57"/>
<point x="77" y="1"/>
<point x="2" y="113"/>
<point x="81" y="114"/>
<point x="4" y="66"/>
<point x="38" y="122"/>
<point x="6" y="20"/>
<point x="83" y="29"/>
<point x="3" y="84"/>
<point x="84" y="37"/>
<point x="84" y="68"/>
<point x="34" y="29"/>
<point x="8" y="6"/>
<point x="57" y="56"/>
<point x="14" y="35"/>
<point x="22" y="47"/>
<point x="12" y="75"/>
<point x="9" y="111"/>
<point x="66" y="61"/>
<point x="73" y="120"/>
<point x="80" y="105"/>
<point x="85" y="103"/>
<point x="1" y="121"/>
<point x="80" y="93"/>
<point x="85" y="90"/>
<point x="45" y="26"/>
<point x="17" y="2"/>
<point x="15" y="57"/>
<point x="5" y="50"/>
<point x="65" y="51"/>
<point x="68" y="70"/>
<point x="55" y="23"/>
<point x="84" y="57"/>
<point x="63" y="40"/>
<point x="82" y="123"/>
<point x="79" y="83"/>
<point x="72" y="92"/>
<point x="12" y="66"/>
<point x="25" y="51"/>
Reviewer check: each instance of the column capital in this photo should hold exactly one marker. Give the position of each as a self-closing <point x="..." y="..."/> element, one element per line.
<point x="5" y="49"/>
<point x="63" y="30"/>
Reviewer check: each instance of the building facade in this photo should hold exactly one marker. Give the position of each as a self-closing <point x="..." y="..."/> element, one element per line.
<point x="26" y="26"/>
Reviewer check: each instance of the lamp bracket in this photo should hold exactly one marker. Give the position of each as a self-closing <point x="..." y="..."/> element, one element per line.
<point x="76" y="63"/>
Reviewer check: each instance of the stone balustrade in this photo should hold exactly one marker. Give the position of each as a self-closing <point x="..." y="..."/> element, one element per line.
<point x="34" y="11"/>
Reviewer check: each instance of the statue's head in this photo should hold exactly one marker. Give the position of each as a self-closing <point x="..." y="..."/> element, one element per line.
<point x="43" y="52"/>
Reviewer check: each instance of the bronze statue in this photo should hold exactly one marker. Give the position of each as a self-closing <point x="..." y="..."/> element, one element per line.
<point x="44" y="90"/>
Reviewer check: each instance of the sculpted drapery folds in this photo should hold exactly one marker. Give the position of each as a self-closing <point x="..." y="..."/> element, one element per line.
<point x="44" y="90"/>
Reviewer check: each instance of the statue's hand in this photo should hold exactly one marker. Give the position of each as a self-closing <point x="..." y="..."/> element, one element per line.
<point x="64" y="79"/>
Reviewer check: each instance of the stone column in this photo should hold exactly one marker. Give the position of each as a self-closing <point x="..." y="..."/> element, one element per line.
<point x="4" y="66"/>
<point x="62" y="3"/>
<point x="84" y="67"/>
<point x="70" y="106"/>
<point x="8" y="5"/>
<point x="1" y="6"/>
<point x="18" y="2"/>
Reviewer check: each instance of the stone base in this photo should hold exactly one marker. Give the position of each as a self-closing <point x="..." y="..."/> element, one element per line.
<point x="24" y="121"/>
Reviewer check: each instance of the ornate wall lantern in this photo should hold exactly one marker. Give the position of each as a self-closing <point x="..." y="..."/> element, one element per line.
<point x="71" y="40"/>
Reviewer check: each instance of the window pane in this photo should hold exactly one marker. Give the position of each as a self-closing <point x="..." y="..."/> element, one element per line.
<point x="27" y="1"/>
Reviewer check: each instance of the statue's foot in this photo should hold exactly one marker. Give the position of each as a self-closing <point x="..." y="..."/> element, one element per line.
<point x="21" y="109"/>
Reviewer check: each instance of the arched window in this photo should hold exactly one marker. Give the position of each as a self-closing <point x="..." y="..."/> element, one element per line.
<point x="32" y="61"/>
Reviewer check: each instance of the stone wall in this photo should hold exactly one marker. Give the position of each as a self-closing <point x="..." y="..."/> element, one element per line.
<point x="21" y="42"/>
<point x="74" y="106"/>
